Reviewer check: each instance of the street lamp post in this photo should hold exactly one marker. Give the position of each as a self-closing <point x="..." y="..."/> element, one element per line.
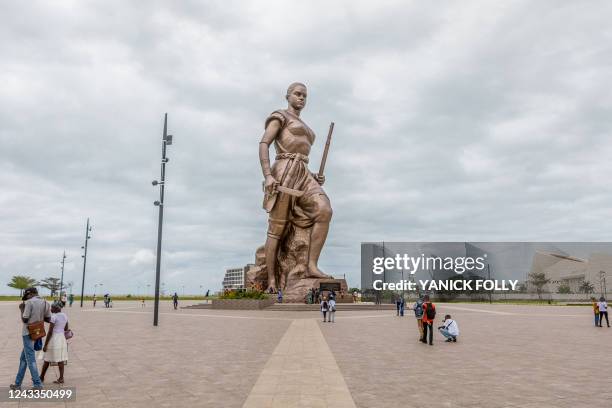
<point x="84" y="256"/>
<point x="166" y="141"/>
<point x="62" y="278"/>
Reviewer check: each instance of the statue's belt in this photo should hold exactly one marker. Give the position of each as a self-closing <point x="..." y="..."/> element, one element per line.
<point x="295" y="156"/>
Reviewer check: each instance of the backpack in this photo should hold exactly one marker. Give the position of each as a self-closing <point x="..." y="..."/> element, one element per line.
<point x="431" y="311"/>
<point x="418" y="310"/>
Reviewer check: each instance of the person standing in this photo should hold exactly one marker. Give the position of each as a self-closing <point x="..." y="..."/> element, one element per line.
<point x="596" y="311"/>
<point x="175" y="301"/>
<point x="402" y="306"/>
<point x="71" y="299"/>
<point x="279" y="297"/>
<point x="397" y="305"/>
<point x="418" y="314"/>
<point x="429" y="314"/>
<point x="56" y="347"/>
<point x="324" y="308"/>
<point x="449" y="329"/>
<point x="332" y="309"/>
<point x="603" y="311"/>
<point x="33" y="309"/>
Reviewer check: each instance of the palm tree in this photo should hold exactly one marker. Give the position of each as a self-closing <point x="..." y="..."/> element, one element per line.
<point x="53" y="284"/>
<point x="586" y="287"/>
<point x="21" y="282"/>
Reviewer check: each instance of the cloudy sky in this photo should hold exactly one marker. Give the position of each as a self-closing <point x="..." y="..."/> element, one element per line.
<point x="459" y="121"/>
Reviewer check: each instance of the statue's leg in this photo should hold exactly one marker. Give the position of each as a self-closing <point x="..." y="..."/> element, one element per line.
<point x="318" y="234"/>
<point x="277" y="223"/>
<point x="271" y="249"/>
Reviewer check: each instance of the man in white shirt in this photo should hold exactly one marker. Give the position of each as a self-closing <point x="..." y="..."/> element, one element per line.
<point x="603" y="311"/>
<point x="449" y="329"/>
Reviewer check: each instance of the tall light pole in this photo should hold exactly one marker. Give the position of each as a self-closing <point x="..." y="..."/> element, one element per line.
<point x="166" y="141"/>
<point x="84" y="256"/>
<point x="62" y="278"/>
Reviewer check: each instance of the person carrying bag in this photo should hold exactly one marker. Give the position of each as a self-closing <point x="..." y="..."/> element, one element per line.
<point x="34" y="312"/>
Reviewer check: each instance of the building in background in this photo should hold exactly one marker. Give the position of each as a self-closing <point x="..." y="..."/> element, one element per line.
<point x="235" y="278"/>
<point x="563" y="269"/>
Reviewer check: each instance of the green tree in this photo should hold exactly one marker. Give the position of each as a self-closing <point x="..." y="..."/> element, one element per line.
<point x="21" y="282"/>
<point x="53" y="284"/>
<point x="564" y="288"/>
<point x="586" y="287"/>
<point x="538" y="279"/>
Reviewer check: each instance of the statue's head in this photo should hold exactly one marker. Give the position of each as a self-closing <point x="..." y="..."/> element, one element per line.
<point x="296" y="95"/>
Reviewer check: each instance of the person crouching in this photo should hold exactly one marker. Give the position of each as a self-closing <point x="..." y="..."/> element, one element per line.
<point x="449" y="329"/>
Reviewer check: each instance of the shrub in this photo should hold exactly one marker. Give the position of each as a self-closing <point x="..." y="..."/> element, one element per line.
<point x="564" y="288"/>
<point x="244" y="294"/>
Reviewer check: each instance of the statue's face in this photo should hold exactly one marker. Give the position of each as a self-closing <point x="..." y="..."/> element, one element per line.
<point x="297" y="97"/>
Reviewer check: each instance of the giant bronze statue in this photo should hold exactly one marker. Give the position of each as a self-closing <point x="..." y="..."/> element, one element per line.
<point x="299" y="211"/>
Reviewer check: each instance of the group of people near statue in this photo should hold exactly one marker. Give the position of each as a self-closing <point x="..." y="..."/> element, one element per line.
<point x="425" y="313"/>
<point x="315" y="295"/>
<point x="52" y="340"/>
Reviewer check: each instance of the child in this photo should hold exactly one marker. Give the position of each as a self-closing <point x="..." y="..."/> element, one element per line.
<point x="324" y="308"/>
<point x="449" y="329"/>
<point x="56" y="347"/>
<point x="596" y="310"/>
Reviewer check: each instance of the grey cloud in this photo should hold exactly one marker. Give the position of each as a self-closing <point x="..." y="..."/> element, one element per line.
<point x="475" y="121"/>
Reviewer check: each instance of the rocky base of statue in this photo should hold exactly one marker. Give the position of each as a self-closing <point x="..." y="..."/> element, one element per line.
<point x="292" y="263"/>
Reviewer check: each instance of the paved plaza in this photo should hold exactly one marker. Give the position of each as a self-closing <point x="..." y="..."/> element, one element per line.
<point x="507" y="356"/>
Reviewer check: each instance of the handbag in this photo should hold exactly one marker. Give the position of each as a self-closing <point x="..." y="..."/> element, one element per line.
<point x="68" y="334"/>
<point x="36" y="330"/>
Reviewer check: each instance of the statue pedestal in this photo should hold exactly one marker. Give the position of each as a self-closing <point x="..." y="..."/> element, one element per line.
<point x="297" y="290"/>
<point x="291" y="262"/>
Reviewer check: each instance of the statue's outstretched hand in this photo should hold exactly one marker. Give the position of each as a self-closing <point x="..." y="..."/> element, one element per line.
<point x="320" y="179"/>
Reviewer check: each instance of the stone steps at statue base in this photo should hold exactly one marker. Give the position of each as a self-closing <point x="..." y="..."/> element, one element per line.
<point x="340" y="307"/>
